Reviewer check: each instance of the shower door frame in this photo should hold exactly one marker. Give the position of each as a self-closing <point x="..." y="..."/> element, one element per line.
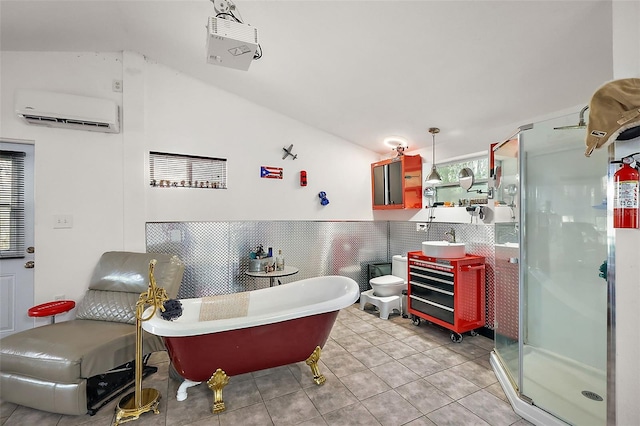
<point x="523" y="295"/>
<point x="610" y="366"/>
<point x="515" y="379"/>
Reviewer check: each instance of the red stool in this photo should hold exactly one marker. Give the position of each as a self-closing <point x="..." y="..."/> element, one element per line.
<point x="52" y="309"/>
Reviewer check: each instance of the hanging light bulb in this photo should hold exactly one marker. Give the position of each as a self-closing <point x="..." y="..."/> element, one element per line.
<point x="434" y="176"/>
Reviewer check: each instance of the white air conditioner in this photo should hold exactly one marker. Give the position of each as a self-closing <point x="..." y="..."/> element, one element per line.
<point x="67" y="111"/>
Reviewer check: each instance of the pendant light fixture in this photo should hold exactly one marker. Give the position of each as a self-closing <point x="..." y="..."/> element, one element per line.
<point x="434" y="176"/>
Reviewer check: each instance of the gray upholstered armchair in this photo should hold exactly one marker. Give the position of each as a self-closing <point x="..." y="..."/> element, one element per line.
<point x="63" y="367"/>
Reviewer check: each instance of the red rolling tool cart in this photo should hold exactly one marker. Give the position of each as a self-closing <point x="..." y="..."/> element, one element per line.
<point x="447" y="292"/>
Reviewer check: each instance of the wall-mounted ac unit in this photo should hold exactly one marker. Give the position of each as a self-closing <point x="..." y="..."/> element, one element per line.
<point x="67" y="111"/>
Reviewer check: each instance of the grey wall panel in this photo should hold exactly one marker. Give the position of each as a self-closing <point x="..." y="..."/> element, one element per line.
<point x="202" y="246"/>
<point x="216" y="254"/>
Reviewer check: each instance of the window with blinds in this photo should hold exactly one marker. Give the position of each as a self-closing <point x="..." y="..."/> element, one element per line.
<point x="11" y="204"/>
<point x="187" y="171"/>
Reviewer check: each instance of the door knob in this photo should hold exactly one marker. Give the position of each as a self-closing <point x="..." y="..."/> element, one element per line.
<point x="30" y="264"/>
<point x="513" y="260"/>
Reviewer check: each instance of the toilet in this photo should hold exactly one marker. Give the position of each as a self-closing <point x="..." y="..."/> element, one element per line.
<point x="386" y="291"/>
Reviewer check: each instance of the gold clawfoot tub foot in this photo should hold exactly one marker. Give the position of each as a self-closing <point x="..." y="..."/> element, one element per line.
<point x="218" y="380"/>
<point x="312" y="362"/>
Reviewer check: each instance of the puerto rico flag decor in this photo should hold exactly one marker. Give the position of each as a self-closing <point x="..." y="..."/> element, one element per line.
<point x="271" y="172"/>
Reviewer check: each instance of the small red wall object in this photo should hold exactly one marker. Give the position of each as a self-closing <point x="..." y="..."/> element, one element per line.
<point x="303" y="178"/>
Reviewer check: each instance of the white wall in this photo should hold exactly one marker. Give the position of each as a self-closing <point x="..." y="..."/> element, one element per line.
<point x="186" y="116"/>
<point x="102" y="179"/>
<point x="626" y="64"/>
<point x="76" y="172"/>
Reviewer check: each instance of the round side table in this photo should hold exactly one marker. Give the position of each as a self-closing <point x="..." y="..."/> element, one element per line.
<point x="51" y="309"/>
<point x="288" y="270"/>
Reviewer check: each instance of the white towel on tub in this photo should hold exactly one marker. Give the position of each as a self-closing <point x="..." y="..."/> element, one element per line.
<point x="224" y="306"/>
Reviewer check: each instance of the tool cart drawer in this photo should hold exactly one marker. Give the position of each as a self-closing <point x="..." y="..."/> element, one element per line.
<point x="432" y="309"/>
<point x="433" y="294"/>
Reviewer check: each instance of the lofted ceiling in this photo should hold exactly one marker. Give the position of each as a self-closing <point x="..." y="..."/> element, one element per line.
<point x="361" y="70"/>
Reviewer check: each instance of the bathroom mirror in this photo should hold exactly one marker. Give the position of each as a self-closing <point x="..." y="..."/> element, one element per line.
<point x="466" y="178"/>
<point x="512" y="191"/>
<point x="497" y="177"/>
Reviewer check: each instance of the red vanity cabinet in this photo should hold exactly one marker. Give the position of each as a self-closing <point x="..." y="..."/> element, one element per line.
<point x="447" y="292"/>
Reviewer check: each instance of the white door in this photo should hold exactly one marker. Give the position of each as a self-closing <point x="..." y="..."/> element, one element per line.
<point x="16" y="259"/>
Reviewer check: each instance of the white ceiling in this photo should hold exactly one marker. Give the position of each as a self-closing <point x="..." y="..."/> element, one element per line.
<point x="361" y="70"/>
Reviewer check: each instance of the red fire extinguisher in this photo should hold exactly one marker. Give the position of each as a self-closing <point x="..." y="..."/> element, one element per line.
<point x="626" y="184"/>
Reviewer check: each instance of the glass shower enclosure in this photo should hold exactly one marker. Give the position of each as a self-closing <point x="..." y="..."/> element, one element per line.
<point x="551" y="289"/>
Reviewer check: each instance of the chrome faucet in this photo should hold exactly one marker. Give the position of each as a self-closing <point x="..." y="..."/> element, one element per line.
<point x="452" y="234"/>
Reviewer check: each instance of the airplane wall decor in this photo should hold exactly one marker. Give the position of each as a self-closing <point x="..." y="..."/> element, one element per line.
<point x="287" y="152"/>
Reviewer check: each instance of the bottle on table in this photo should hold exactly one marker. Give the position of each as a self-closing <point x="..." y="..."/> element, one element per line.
<point x="279" y="261"/>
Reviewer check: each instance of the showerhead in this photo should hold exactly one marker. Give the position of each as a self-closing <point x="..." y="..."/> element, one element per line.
<point x="581" y="124"/>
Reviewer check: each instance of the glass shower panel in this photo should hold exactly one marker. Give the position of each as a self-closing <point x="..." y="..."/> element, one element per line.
<point x="507" y="253"/>
<point x="564" y="298"/>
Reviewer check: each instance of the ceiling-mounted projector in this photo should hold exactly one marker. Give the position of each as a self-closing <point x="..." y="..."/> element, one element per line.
<point x="231" y="44"/>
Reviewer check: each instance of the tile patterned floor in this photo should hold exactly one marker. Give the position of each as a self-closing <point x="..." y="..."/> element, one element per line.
<point x="379" y="372"/>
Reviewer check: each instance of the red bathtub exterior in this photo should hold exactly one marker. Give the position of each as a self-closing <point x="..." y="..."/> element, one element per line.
<point x="249" y="349"/>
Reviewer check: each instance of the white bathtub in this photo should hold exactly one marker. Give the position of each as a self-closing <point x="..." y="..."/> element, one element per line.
<point x="268" y="327"/>
<point x="298" y="299"/>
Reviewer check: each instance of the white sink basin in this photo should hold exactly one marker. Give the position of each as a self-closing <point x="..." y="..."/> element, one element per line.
<point x="443" y="249"/>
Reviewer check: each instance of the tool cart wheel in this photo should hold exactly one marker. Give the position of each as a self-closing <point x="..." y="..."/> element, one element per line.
<point x="456" y="337"/>
<point x="415" y="320"/>
<point x="473" y="333"/>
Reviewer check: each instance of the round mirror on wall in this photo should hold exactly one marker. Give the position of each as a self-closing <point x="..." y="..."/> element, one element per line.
<point x="466" y="178"/>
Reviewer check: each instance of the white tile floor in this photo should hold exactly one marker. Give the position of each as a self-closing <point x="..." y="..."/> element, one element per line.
<point x="379" y="372"/>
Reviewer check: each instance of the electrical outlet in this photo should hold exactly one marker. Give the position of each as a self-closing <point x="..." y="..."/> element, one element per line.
<point x="62" y="221"/>
<point x="117" y="85"/>
<point x="421" y="226"/>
